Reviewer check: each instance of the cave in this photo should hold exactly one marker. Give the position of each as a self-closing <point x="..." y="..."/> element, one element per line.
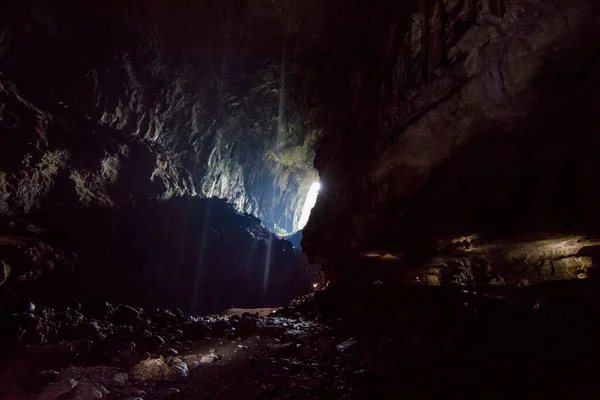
<point x="273" y="199"/>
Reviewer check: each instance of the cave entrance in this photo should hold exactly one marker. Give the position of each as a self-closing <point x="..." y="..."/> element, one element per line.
<point x="309" y="203"/>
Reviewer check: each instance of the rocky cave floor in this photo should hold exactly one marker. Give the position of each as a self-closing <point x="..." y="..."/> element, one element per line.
<point x="383" y="342"/>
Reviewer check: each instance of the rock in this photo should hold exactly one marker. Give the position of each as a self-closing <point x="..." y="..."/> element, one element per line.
<point x="247" y="314"/>
<point x="88" y="391"/>
<point x="149" y="369"/>
<point x="128" y="357"/>
<point x="163" y="318"/>
<point x="56" y="390"/>
<point x="172" y="394"/>
<point x="126" y="315"/>
<point x="121" y="378"/>
<point x="247" y="325"/>
<point x="305" y="305"/>
<point x="114" y="345"/>
<point x="4" y="272"/>
<point x="324" y="345"/>
<point x="252" y="363"/>
<point x="72" y="317"/>
<point x="192" y="361"/>
<point x="180" y="314"/>
<point x="195" y="330"/>
<point x="284" y="350"/>
<point x="306" y="338"/>
<point x="265" y="391"/>
<point x="85" y="329"/>
<point x="158" y="370"/>
<point x="272" y="330"/>
<point x="101" y="310"/>
<point x="168" y="352"/>
<point x="99" y="375"/>
<point x="177" y="371"/>
<point x="347" y="346"/>
<point x="140" y="325"/>
<point x="366" y="379"/>
<point x="27" y="327"/>
<point x="305" y="352"/>
<point x="209" y="358"/>
<point x="124" y="332"/>
<point x="177" y="334"/>
<point x="150" y="343"/>
<point x="220" y="325"/>
<point x="47" y="376"/>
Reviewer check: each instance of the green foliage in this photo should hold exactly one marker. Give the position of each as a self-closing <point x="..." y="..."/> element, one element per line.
<point x="300" y="156"/>
<point x="280" y="231"/>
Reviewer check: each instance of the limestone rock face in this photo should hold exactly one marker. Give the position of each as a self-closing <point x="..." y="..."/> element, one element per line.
<point x="477" y="118"/>
<point x="157" y="370"/>
<point x="54" y="158"/>
<point x="218" y="84"/>
<point x="89" y="211"/>
<point x="432" y="119"/>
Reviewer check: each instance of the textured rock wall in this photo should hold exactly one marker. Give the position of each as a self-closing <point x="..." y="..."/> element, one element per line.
<point x="212" y="82"/>
<point x="440" y="118"/>
<point x="463" y="117"/>
<point x="55" y="158"/>
<point x="116" y="218"/>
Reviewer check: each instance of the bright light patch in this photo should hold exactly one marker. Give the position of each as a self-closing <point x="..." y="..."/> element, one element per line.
<point x="309" y="203"/>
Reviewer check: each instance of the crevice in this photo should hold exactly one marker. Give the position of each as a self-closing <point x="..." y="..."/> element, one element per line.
<point x="502" y="81"/>
<point x="412" y="120"/>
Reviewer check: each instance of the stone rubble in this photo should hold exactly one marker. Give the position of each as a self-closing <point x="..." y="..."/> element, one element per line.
<point x="354" y="353"/>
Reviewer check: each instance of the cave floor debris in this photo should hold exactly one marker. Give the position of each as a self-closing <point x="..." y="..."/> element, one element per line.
<point x="373" y="344"/>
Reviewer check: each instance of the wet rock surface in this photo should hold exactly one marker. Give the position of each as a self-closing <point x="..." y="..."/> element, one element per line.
<point x="418" y="345"/>
<point x="459" y="129"/>
<point x="61" y="158"/>
<point x="201" y="98"/>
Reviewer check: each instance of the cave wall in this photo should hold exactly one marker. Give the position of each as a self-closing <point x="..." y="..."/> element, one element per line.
<point x="91" y="214"/>
<point x="431" y="119"/>
<point x="214" y="83"/>
<point x="54" y="158"/>
<point x="462" y="117"/>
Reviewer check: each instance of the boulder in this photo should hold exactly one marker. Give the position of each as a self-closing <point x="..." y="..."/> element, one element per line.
<point x="158" y="370"/>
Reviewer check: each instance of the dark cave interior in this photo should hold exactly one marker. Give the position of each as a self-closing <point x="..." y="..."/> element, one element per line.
<point x="160" y="159"/>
